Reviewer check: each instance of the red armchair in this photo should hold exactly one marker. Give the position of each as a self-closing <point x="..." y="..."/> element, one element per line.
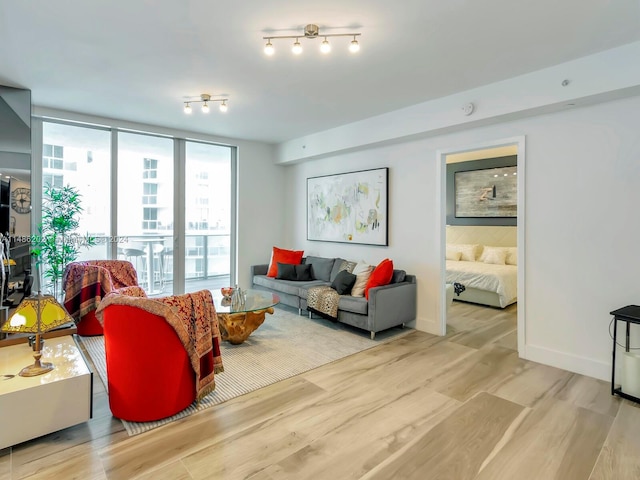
<point x="161" y="354"/>
<point x="85" y="284"/>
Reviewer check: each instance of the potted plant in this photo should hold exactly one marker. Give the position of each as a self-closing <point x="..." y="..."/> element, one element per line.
<point x="58" y="243"/>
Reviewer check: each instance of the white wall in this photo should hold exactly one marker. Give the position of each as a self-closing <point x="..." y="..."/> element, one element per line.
<point x="604" y="76"/>
<point x="261" y="219"/>
<point x="582" y="177"/>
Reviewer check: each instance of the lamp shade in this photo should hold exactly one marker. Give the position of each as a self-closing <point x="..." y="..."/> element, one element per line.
<point x="36" y="314"/>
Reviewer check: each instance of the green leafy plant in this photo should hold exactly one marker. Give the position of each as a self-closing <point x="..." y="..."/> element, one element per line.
<point x="58" y="243"/>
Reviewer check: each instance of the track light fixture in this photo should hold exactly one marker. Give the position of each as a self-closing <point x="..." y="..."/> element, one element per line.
<point x="312" y="31"/>
<point x="205" y="99"/>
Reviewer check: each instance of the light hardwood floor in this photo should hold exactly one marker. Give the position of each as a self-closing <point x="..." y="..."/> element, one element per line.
<point x="458" y="407"/>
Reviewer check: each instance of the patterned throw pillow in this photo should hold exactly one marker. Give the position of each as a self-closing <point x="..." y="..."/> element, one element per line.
<point x="348" y="266"/>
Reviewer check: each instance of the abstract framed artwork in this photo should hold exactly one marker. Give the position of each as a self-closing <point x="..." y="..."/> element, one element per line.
<point x="486" y="193"/>
<point x="349" y="207"/>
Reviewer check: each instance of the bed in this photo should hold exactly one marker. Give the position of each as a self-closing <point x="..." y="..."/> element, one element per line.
<point x="489" y="274"/>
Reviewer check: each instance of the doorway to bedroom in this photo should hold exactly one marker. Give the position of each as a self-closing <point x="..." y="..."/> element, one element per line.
<point x="482" y="239"/>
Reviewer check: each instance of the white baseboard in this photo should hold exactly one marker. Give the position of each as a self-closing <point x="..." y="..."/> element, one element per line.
<point x="566" y="361"/>
<point x="428" y="325"/>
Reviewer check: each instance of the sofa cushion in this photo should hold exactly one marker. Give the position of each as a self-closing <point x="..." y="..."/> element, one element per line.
<point x="296" y="273"/>
<point x="343" y="282"/>
<point x="303" y="290"/>
<point x="285" y="286"/>
<point x="353" y="304"/>
<point x="320" y="267"/>
<point x="381" y="275"/>
<point x="283" y="256"/>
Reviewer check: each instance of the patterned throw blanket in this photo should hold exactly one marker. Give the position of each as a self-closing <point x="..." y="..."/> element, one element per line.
<point x="194" y="319"/>
<point x="85" y="284"/>
<point x="324" y="301"/>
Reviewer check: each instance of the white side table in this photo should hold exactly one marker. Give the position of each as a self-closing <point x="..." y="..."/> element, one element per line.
<point x="35" y="406"/>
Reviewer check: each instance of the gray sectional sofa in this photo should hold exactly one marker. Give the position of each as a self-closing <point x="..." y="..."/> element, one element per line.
<point x="388" y="306"/>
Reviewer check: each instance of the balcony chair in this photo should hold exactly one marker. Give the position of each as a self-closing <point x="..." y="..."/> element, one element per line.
<point x="136" y="254"/>
<point x="86" y="283"/>
<point x="157" y="257"/>
<point x="161" y="353"/>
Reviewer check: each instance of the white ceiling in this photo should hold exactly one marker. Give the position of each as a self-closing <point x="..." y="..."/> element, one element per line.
<point x="137" y="60"/>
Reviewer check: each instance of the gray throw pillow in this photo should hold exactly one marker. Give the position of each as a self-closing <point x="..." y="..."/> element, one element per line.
<point x="343" y="283"/>
<point x="398" y="276"/>
<point x="320" y="267"/>
<point x="295" y="273"/>
<point x="286" y="271"/>
<point x="303" y="273"/>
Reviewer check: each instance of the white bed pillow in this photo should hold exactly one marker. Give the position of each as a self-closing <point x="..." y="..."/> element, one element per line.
<point x="512" y="255"/>
<point x="453" y="254"/>
<point x="494" y="255"/>
<point x="468" y="252"/>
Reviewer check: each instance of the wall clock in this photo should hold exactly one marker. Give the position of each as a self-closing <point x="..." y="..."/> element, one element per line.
<point x="21" y="200"/>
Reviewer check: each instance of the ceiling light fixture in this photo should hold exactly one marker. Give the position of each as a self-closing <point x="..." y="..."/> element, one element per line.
<point x="297" y="48"/>
<point x="325" y="47"/>
<point x="354" y="47"/>
<point x="311" y="32"/>
<point x="268" y="49"/>
<point x="205" y="99"/>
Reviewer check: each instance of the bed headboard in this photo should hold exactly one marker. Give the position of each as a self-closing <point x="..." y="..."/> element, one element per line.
<point x="483" y="235"/>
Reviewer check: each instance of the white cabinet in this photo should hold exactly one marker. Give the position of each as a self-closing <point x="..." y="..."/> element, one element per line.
<point x="35" y="406"/>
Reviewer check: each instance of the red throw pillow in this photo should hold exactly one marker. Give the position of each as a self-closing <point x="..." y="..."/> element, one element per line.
<point x="283" y="256"/>
<point x="381" y="275"/>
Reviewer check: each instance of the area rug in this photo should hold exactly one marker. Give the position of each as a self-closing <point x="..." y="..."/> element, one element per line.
<point x="285" y="345"/>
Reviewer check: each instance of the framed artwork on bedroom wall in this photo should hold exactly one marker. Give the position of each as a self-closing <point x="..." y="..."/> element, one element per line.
<point x="349" y="207"/>
<point x="483" y="192"/>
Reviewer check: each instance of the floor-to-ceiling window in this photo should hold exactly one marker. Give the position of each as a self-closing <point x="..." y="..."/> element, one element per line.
<point x="145" y="208"/>
<point x="207" y="215"/>
<point x="131" y="213"/>
<point x="80" y="157"/>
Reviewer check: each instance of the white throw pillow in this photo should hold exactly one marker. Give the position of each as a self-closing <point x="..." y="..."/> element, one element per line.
<point x="468" y="252"/>
<point x="494" y="255"/>
<point x="362" y="271"/>
<point x="453" y="254"/>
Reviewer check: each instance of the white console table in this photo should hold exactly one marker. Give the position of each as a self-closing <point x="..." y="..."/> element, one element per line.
<point x="35" y="406"/>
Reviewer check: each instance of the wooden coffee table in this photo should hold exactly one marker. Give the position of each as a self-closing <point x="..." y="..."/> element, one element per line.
<point x="238" y="321"/>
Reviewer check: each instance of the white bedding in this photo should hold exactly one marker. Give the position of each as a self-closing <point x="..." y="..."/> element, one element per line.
<point x="501" y="279"/>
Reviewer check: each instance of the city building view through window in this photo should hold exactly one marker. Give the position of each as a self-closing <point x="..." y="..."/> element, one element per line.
<point x="81" y="157"/>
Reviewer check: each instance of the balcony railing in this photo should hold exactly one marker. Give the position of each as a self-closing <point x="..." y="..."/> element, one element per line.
<point x="206" y="256"/>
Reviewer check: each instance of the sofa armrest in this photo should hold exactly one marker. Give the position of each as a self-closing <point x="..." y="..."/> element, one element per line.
<point x="392" y="305"/>
<point x="259" y="269"/>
